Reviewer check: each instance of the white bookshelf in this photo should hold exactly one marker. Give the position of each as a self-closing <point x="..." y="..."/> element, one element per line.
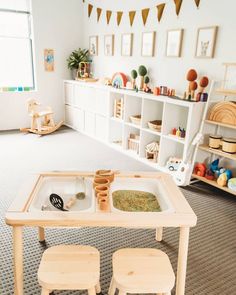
<point x="89" y="108"/>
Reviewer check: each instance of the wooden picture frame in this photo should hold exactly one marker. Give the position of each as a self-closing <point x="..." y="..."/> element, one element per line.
<point x="126" y="44"/>
<point x="148" y="44"/>
<point x="174" y="40"/>
<point x="109" y="45"/>
<point x="93" y="45"/>
<point x="206" y="40"/>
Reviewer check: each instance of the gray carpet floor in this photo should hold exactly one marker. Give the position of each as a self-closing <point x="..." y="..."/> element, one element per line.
<point x="212" y="250"/>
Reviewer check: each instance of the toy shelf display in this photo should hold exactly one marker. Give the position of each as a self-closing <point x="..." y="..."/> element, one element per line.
<point x="115" y="116"/>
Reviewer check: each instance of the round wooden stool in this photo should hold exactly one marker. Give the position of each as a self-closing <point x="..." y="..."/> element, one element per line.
<point x="70" y="267"/>
<point x="141" y="271"/>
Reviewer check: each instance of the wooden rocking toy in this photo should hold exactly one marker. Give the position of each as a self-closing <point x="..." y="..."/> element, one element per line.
<point x="42" y="122"/>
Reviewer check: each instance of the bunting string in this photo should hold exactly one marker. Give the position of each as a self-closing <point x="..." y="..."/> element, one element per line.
<point x="132" y="14"/>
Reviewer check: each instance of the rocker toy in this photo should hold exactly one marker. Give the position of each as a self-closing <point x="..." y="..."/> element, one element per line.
<point x="42" y="122"/>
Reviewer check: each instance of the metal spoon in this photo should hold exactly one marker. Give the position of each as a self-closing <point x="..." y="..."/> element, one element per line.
<point x="57" y="202"/>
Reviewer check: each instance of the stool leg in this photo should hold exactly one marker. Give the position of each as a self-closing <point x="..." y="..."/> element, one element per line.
<point x="41" y="235"/>
<point x="112" y="288"/>
<point x="91" y="291"/>
<point x="159" y="233"/>
<point x="98" y="288"/>
<point x="45" y="292"/>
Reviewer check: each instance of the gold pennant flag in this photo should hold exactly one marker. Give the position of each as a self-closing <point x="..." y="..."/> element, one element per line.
<point x="160" y="9"/>
<point x="145" y="13"/>
<point x="108" y="14"/>
<point x="197" y="2"/>
<point x="178" y="4"/>
<point x="119" y="17"/>
<point x="99" y="11"/>
<point x="90" y="8"/>
<point x="131" y="17"/>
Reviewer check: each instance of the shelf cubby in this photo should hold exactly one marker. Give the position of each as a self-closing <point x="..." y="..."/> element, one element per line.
<point x="169" y="148"/>
<point x="133" y="106"/>
<point x="128" y="130"/>
<point x="116" y="133"/>
<point x="152" y="110"/>
<point x="174" y="116"/>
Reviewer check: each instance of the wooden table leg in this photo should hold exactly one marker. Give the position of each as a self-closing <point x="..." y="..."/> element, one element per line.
<point x="182" y="260"/>
<point x="41" y="235"/>
<point x="18" y="260"/>
<point x="159" y="234"/>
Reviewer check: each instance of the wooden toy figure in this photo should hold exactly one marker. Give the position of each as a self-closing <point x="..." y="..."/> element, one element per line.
<point x="203" y="84"/>
<point x="142" y="73"/>
<point x="191" y="77"/>
<point x="134" y="76"/>
<point x="192" y="86"/>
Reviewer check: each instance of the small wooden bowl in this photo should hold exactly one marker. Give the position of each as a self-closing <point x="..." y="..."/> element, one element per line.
<point x="100" y="181"/>
<point x="108" y="174"/>
<point x="101" y="189"/>
<point x="103" y="203"/>
<point x="102" y="196"/>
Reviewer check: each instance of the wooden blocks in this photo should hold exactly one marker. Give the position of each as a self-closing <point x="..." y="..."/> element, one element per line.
<point x="224" y="112"/>
<point x="119" y="108"/>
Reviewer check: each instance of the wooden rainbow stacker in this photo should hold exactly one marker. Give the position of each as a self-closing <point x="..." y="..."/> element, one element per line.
<point x="28" y="210"/>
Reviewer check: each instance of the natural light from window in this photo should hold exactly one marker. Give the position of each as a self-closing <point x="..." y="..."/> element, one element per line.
<point x="16" y="58"/>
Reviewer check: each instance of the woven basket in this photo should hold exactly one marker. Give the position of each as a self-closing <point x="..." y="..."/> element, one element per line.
<point x="155" y="125"/>
<point x="135" y="119"/>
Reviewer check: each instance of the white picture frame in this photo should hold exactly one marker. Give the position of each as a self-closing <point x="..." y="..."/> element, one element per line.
<point x="206" y="40"/>
<point x="126" y="44"/>
<point x="93" y="45"/>
<point x="174" y="41"/>
<point x="148" y="44"/>
<point x="109" y="45"/>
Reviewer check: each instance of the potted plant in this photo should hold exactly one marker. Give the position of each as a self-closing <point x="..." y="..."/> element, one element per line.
<point x="76" y="57"/>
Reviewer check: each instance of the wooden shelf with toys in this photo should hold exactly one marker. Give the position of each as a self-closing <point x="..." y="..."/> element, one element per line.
<point x="219" y="138"/>
<point x="149" y="126"/>
<point x="214" y="183"/>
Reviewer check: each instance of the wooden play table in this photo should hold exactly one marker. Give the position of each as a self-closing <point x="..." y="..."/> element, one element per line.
<point x="24" y="213"/>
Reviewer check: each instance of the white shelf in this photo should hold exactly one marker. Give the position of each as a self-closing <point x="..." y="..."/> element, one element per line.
<point x="172" y="112"/>
<point x="174" y="138"/>
<point x="151" y="131"/>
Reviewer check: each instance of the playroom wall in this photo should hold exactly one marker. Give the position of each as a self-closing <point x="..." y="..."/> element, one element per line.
<point x="57" y="25"/>
<point x="164" y="70"/>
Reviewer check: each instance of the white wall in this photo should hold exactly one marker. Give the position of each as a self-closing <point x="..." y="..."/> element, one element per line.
<point x="163" y="70"/>
<point x="57" y="25"/>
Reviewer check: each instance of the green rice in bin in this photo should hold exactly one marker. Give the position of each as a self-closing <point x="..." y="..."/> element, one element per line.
<point x="135" y="201"/>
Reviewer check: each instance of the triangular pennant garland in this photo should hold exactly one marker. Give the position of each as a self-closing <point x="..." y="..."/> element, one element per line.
<point x="131" y="17"/>
<point x="90" y="8"/>
<point x="178" y="4"/>
<point x="108" y="14"/>
<point x="197" y="2"/>
<point x="145" y="13"/>
<point x="99" y="11"/>
<point x="160" y="9"/>
<point x="119" y="17"/>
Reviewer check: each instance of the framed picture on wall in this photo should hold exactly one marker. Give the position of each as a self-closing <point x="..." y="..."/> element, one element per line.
<point x="126" y="44"/>
<point x="174" y="43"/>
<point x="93" y="45"/>
<point x="148" y="43"/>
<point x="206" y="39"/>
<point x="109" y="45"/>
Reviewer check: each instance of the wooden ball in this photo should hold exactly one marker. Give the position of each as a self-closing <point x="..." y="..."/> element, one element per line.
<point x="192" y="75"/>
<point x="193" y="85"/>
<point x="204" y="82"/>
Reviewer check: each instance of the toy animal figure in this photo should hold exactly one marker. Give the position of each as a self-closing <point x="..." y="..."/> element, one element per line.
<point x="204" y="47"/>
<point x="200" y="169"/>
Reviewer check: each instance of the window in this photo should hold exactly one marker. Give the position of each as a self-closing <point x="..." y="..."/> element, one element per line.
<point x="16" y="57"/>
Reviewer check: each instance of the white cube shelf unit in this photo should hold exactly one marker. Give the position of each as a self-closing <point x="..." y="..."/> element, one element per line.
<point x="89" y="108"/>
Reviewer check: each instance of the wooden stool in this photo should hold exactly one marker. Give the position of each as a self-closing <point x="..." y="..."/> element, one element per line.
<point x="70" y="267"/>
<point x="141" y="271"/>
